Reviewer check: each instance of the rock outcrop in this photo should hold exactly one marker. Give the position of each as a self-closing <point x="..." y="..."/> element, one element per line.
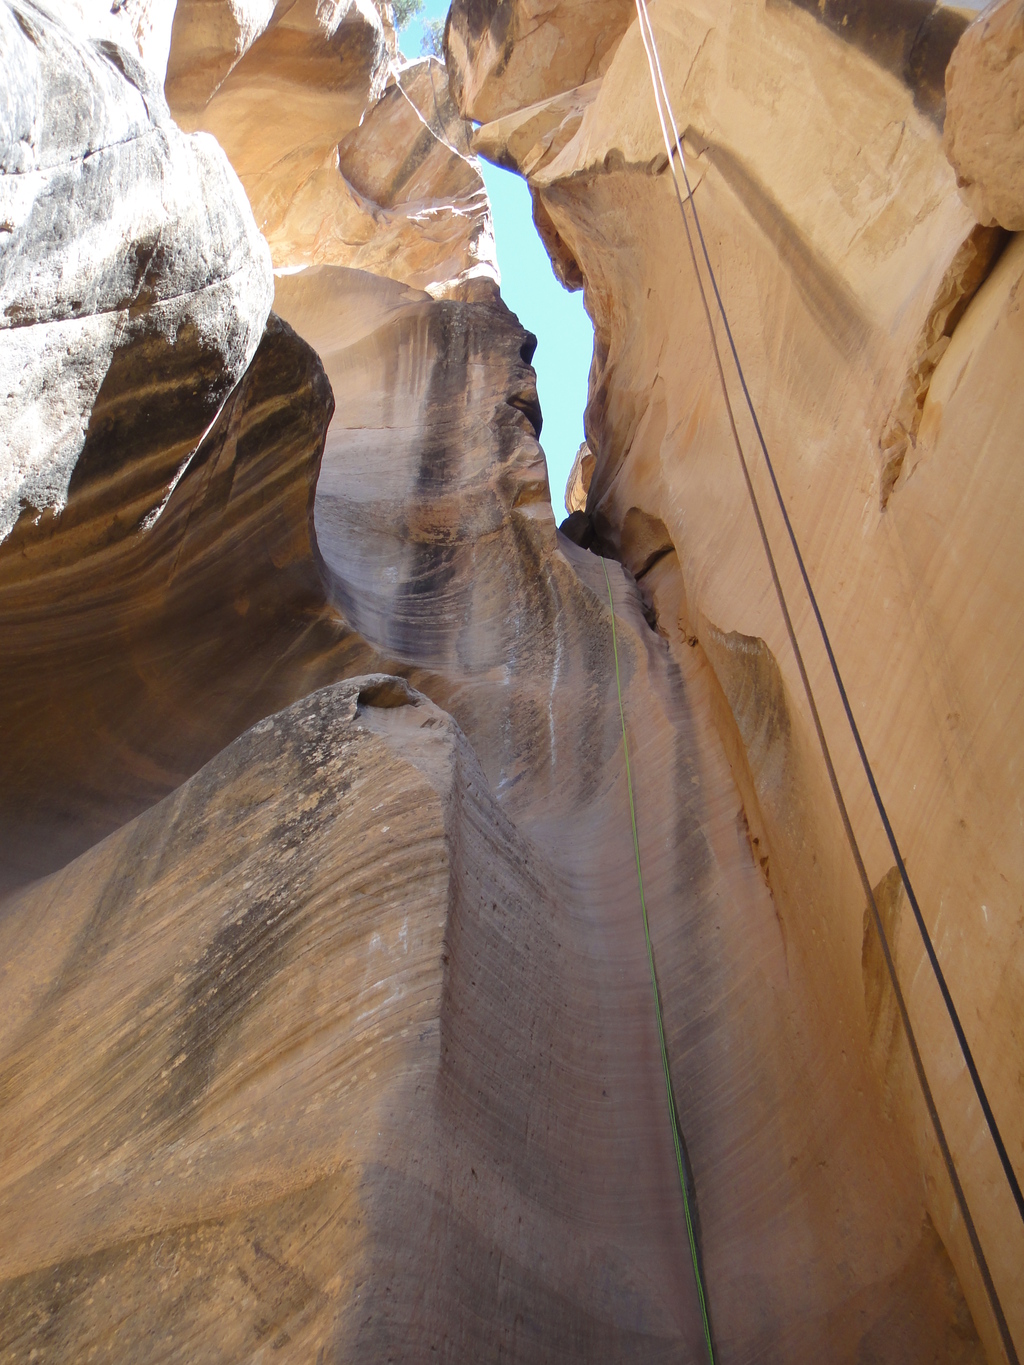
<point x="985" y="116"/>
<point x="878" y="323"/>
<point x="128" y="251"/>
<point x="150" y="601"/>
<point x="347" y="158"/>
<point x="268" y="1074"/>
<point x="326" y="1025"/>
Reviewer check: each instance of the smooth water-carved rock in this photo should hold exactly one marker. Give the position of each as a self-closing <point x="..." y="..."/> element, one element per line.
<point x="283" y="106"/>
<point x="330" y="1032"/>
<point x="865" y="303"/>
<point x="169" y="593"/>
<point x="209" y="38"/>
<point x="130" y="660"/>
<point x="529" y="1196"/>
<point x="506" y="54"/>
<point x="274" y="1018"/>
<point x="422" y="217"/>
<point x="436" y="534"/>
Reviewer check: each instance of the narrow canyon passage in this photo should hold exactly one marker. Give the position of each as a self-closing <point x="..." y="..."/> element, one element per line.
<point x="327" y="1031"/>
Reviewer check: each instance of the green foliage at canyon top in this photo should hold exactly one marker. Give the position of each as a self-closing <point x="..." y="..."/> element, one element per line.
<point x="432" y="43"/>
<point x="406" y="10"/>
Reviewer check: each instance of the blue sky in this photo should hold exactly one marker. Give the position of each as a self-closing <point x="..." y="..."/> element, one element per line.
<point x="565" y="338"/>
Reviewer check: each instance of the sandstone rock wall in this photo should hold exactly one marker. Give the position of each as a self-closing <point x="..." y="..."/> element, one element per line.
<point x="326" y="1025"/>
<point x="343" y="1048"/>
<point x="878" y="325"/>
<point x="985" y="116"/>
<point x="349" y="157"/>
<point x="120" y="235"/>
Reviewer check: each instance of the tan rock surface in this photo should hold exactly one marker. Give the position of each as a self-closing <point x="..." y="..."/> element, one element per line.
<point x="209" y="37"/>
<point x="297" y="99"/>
<point x="318" y="990"/>
<point x="578" y="484"/>
<point x="269" y="1049"/>
<point x="280" y="110"/>
<point x="984" y="135"/>
<point x="130" y="660"/>
<point x="378" y="968"/>
<point x="439" y="550"/>
<point x="879" y="336"/>
<point x="506" y="54"/>
<point x="150" y="603"/>
<point x="423" y="218"/>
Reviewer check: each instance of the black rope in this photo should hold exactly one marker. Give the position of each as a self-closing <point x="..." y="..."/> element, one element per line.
<point x="933" y="1114"/>
<point x="958" y="1029"/>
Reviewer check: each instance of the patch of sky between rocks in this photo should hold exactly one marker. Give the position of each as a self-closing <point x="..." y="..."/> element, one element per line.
<point x="565" y="337"/>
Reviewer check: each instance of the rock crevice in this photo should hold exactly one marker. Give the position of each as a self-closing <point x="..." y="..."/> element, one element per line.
<point x="326" y="1026"/>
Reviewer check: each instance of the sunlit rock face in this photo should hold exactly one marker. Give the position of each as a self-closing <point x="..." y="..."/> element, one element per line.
<point x="985" y="116"/>
<point x="92" y="164"/>
<point x="878" y="321"/>
<point x="507" y="54"/>
<point x="326" y="1023"/>
<point x="435" y="532"/>
<point x="288" y="98"/>
<point x="345" y="1047"/>
<point x="329" y="1031"/>
<point x="151" y="410"/>
<point x="335" y="173"/>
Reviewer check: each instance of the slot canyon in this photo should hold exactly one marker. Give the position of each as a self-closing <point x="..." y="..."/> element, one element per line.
<point x="430" y="933"/>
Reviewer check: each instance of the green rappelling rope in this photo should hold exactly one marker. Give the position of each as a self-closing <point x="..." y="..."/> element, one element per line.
<point x="673" y="1115"/>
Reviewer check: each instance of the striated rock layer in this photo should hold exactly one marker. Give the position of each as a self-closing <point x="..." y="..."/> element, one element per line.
<point x="298" y="987"/>
<point x="326" y="1028"/>
<point x="239" y="1114"/>
<point x="878" y="323"/>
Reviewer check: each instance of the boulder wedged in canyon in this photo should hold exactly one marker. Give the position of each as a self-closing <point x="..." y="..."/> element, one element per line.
<point x="879" y="329"/>
<point x="210" y="37"/>
<point x="984" y="130"/>
<point x="424" y="217"/>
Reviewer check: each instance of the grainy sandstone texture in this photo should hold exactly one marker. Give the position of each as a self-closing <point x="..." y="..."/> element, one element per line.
<point x="280" y="1018"/>
<point x="985" y="116"/>
<point x="326" y="1030"/>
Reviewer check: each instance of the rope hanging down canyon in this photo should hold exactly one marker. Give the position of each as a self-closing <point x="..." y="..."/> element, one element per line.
<point x="673" y="147"/>
<point x="672" y="1111"/>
